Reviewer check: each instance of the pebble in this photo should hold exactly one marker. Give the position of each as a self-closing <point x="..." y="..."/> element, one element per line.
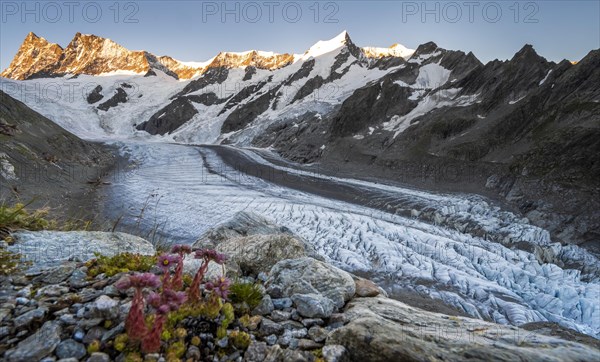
<point x="104" y="307"/>
<point x="317" y="333"/>
<point x="282" y="303"/>
<point x="78" y="335"/>
<point x="68" y="319"/>
<point x="26" y="319"/>
<point x="291" y="325"/>
<point x="193" y="353"/>
<point x="98" y="357"/>
<point x="265" y="307"/>
<point x="299" y="333"/>
<point x="25" y="292"/>
<point x="308" y="344"/>
<point x="268" y="327"/>
<point x="95" y="333"/>
<point x="22" y="301"/>
<point x="271" y="340"/>
<point x="70" y="349"/>
<point x="4" y="331"/>
<point x="280" y="316"/>
<point x="256" y="352"/>
<point x="113" y="332"/>
<point x="223" y="342"/>
<point x="309" y="322"/>
<point x="262" y="276"/>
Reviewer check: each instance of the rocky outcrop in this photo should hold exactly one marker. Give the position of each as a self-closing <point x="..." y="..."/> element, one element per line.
<point x="119" y="97"/>
<point x="169" y="118"/>
<point x="382" y="329"/>
<point x="95" y="95"/>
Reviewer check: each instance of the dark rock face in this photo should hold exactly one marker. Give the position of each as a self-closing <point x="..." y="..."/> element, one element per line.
<point x="119" y="97"/>
<point x="213" y="76"/>
<point x="527" y="120"/>
<point x="95" y="95"/>
<point x="170" y="117"/>
<point x="247" y="113"/>
<point x="34" y="145"/>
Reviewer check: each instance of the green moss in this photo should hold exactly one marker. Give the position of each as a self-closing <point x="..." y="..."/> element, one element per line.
<point x="120" y="263"/>
<point x="240" y="340"/>
<point x="121" y="342"/>
<point x="176" y="349"/>
<point x="133" y="357"/>
<point x="93" y="347"/>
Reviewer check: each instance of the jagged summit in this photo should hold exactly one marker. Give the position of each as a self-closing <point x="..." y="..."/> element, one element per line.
<point x="326" y="46"/>
<point x="94" y="55"/>
<point x="34" y="55"/>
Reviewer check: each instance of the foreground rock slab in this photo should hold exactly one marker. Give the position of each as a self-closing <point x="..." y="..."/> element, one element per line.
<point x="51" y="248"/>
<point x="382" y="329"/>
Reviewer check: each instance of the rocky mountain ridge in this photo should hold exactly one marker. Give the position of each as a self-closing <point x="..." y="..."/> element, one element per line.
<point x="94" y="55"/>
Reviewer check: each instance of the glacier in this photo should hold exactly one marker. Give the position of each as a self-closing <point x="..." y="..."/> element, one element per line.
<point x="190" y="190"/>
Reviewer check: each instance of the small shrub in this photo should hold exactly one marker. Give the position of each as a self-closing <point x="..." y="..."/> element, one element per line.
<point x="17" y="217"/>
<point x="120" y="263"/>
<point x="245" y="296"/>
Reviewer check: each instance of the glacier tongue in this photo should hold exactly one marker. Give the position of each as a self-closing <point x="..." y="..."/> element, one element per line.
<point x="195" y="191"/>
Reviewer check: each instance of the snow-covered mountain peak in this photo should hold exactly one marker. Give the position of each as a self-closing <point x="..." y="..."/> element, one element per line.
<point x="254" y="58"/>
<point x="328" y="46"/>
<point x="396" y="50"/>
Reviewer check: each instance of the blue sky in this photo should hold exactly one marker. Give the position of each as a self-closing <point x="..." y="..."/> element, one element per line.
<point x="197" y="30"/>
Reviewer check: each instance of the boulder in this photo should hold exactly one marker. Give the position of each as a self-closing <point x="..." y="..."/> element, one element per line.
<point x="313" y="305"/>
<point x="37" y="346"/>
<point x="258" y="253"/>
<point x="309" y="276"/>
<point x="51" y="248"/>
<point x="244" y="224"/>
<point x="241" y="224"/>
<point x="382" y="329"/>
